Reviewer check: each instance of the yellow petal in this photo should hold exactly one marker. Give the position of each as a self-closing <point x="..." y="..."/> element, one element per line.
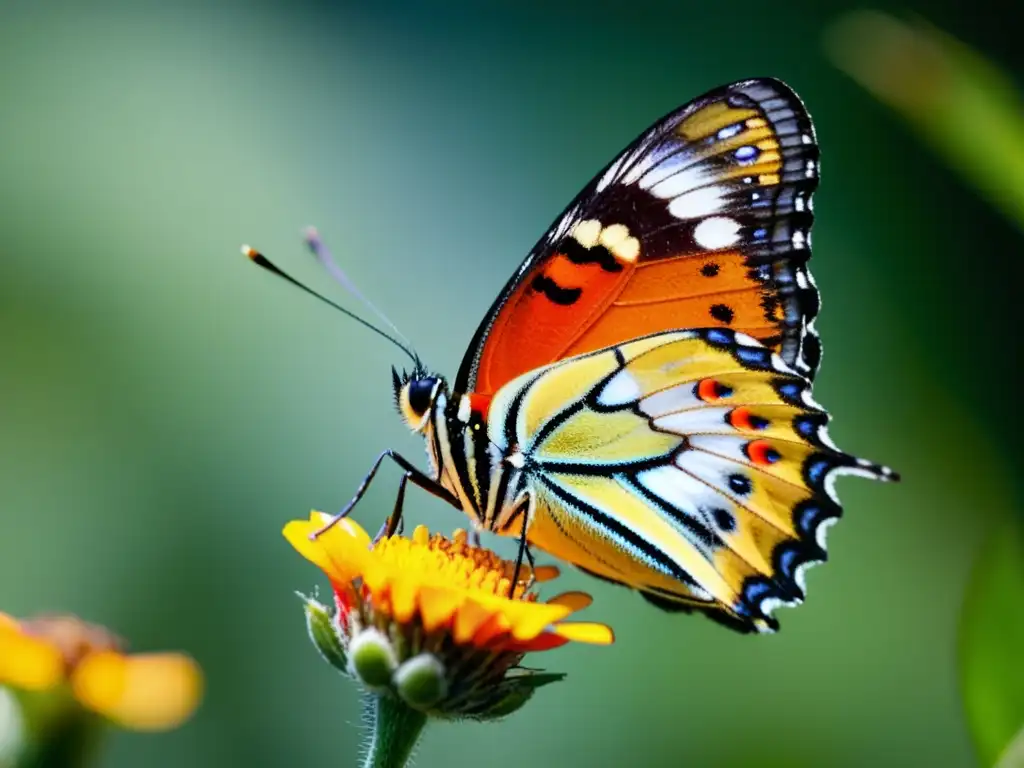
<point x="7" y="622"/>
<point x="545" y="573"/>
<point x="586" y="632"/>
<point x="145" y="692"/>
<point x="29" y="663"/>
<point x="421" y="535"/>
<point x="437" y="606"/>
<point x="344" y="534"/>
<point x="338" y="552"/>
<point x="468" y="619"/>
<point x="403" y="599"/>
<point x="376" y="577"/>
<point x="528" y="624"/>
<point x="574" y="601"/>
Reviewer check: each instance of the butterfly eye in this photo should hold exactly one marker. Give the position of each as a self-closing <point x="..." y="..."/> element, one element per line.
<point x="420" y="392"/>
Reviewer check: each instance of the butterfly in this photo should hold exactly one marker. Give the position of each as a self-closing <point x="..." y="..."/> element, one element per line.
<point x="637" y="400"/>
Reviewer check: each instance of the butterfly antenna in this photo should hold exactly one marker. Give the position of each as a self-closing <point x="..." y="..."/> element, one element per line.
<point x="260" y="260"/>
<point x="323" y="255"/>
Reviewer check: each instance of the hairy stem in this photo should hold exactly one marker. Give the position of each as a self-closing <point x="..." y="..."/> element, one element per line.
<point x="395" y="729"/>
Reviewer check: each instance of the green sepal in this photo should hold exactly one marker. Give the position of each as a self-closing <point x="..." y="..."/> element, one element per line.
<point x="512" y="693"/>
<point x="322" y="631"/>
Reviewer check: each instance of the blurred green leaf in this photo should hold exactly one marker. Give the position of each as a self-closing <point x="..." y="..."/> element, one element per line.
<point x="991" y="641"/>
<point x="962" y="105"/>
<point x="1013" y="755"/>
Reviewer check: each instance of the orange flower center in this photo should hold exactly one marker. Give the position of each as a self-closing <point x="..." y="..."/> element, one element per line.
<point x="454" y="563"/>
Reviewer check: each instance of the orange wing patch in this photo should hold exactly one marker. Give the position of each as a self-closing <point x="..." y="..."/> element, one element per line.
<point x="545" y="315"/>
<point x="704" y="221"/>
<point x="709" y="121"/>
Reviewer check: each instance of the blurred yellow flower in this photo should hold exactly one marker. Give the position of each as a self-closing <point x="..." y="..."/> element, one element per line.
<point x="149" y="692"/>
<point x="430" y="618"/>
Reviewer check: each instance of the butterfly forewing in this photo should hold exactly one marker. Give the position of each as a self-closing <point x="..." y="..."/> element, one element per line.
<point x="703" y="221"/>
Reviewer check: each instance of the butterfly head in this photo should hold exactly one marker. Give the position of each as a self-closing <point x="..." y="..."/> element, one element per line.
<point x="415" y="394"/>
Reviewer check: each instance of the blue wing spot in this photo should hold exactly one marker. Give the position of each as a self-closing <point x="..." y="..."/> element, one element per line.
<point x="729" y="131"/>
<point x="788" y="561"/>
<point x="754" y="592"/>
<point x="805" y="426"/>
<point x="716" y="336"/>
<point x="760" y="234"/>
<point x="758" y="422"/>
<point x="753" y="356"/>
<point x="789" y="390"/>
<point x="746" y="154"/>
<point x="816" y="470"/>
<point x="808" y="518"/>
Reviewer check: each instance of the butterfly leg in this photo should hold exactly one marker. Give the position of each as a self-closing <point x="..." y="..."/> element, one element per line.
<point x="533" y="568"/>
<point x="523" y="551"/>
<point x="395" y="522"/>
<point x="419" y="477"/>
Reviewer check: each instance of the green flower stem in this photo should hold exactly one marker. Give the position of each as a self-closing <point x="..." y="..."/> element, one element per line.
<point x="396" y="729"/>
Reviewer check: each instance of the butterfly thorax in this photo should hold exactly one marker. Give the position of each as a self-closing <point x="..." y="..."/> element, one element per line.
<point x="482" y="473"/>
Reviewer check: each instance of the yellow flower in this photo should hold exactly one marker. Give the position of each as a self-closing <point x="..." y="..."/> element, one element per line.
<point x="62" y="654"/>
<point x="430" y="618"/>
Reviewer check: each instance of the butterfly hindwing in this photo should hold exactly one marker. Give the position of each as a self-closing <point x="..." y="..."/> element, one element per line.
<point x="703" y="221"/>
<point x="691" y="465"/>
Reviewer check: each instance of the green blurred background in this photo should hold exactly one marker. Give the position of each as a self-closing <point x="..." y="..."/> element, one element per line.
<point x="165" y="407"/>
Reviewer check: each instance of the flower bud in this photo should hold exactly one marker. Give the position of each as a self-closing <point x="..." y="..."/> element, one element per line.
<point x="421" y="682"/>
<point x="371" y="658"/>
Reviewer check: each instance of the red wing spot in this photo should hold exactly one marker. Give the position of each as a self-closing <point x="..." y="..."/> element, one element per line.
<point x="480" y="404"/>
<point x="709" y="390"/>
<point x="742" y="418"/>
<point x="761" y="452"/>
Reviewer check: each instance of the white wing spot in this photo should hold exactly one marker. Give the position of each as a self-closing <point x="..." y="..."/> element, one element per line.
<point x="613" y="235"/>
<point x="729" y="131"/>
<point x="586" y="232"/>
<point x="611" y="173"/>
<point x="628" y="251"/>
<point x="465" y="409"/>
<point x="699" y="202"/>
<point x="717" y="232"/>
<point x="622" y="388"/>
<point x="674" y="183"/>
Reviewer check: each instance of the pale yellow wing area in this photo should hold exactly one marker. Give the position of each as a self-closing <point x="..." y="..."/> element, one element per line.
<point x="692" y="465"/>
